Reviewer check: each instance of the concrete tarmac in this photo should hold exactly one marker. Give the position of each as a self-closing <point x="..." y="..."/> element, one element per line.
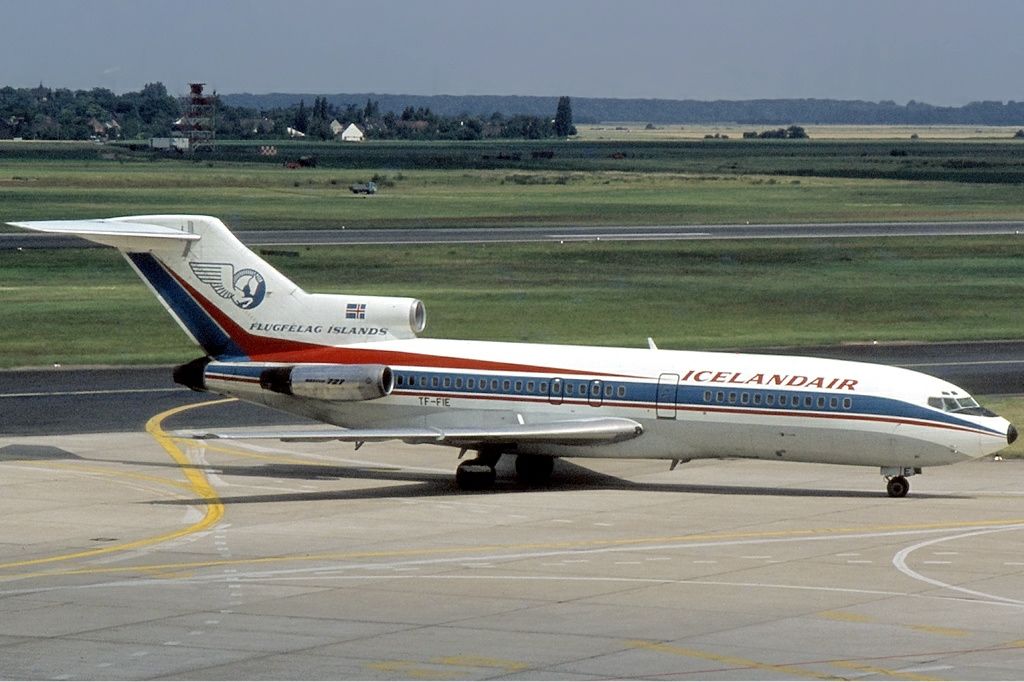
<point x="144" y="556"/>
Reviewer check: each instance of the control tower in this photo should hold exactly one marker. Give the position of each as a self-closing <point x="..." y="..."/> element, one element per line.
<point x="198" y="122"/>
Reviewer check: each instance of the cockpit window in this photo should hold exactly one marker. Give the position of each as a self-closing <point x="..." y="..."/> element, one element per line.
<point x="965" y="405"/>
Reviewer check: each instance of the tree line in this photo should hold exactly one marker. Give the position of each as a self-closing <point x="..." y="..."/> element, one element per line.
<point x="754" y="112"/>
<point x="62" y="114"/>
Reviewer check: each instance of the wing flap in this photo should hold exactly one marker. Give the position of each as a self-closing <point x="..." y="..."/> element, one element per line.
<point x="569" y="432"/>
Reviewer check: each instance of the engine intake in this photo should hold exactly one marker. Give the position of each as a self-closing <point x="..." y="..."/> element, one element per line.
<point x="340" y="383"/>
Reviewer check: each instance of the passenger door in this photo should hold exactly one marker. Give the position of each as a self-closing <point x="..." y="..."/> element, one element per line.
<point x="665" y="400"/>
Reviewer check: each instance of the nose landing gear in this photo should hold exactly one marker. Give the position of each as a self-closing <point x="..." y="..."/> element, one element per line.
<point x="897" y="484"/>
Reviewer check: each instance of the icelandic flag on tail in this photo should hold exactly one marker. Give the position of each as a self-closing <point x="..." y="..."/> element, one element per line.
<point x="355" y="311"/>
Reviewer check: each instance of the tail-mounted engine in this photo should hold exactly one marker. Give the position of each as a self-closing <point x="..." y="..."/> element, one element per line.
<point x="257" y="381"/>
<point x="336" y="383"/>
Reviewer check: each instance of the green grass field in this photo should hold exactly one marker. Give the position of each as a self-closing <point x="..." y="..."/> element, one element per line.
<point x="685" y="294"/>
<point x="709" y="295"/>
<point x="435" y="184"/>
<point x="257" y="198"/>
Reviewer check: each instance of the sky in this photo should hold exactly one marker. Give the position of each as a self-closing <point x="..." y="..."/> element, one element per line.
<point x="943" y="52"/>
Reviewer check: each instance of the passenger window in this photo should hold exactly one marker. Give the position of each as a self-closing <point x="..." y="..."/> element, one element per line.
<point x="732" y="397"/>
<point x="744" y="398"/>
<point x="530" y="386"/>
<point x="494" y="384"/>
<point x="707" y="396"/>
<point x="847" y="403"/>
<point x="458" y="382"/>
<point x="609" y="391"/>
<point x="434" y="382"/>
<point x="833" y="402"/>
<point x="720" y="397"/>
<point x="471" y="383"/>
<point x="770" y="399"/>
<point x="821" y="403"/>
<point x="757" y="398"/>
<point x="506" y="385"/>
<point x="543" y="387"/>
<point x="621" y="391"/>
<point x="447" y="382"/>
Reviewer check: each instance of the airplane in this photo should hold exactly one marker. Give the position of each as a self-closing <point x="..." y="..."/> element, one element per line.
<point x="358" y="362"/>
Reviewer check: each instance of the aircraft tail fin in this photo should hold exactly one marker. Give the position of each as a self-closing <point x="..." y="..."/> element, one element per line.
<point x="232" y="302"/>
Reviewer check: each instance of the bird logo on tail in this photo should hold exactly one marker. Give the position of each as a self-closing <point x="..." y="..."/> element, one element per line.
<point x="246" y="288"/>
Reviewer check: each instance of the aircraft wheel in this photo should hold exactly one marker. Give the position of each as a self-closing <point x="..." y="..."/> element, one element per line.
<point x="534" y="469"/>
<point x="475" y="475"/>
<point x="897" y="486"/>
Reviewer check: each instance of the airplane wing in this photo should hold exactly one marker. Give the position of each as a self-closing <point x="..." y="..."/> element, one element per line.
<point x="569" y="432"/>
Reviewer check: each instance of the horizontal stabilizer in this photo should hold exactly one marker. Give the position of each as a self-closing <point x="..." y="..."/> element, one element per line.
<point x="570" y="432"/>
<point x="125" y="235"/>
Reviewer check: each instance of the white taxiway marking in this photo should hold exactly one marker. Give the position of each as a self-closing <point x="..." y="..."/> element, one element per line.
<point x="630" y="236"/>
<point x="371" y="570"/>
<point x="900" y="562"/>
<point x="109" y="391"/>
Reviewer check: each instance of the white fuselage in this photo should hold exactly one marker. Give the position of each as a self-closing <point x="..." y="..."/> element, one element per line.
<point x="691" y="404"/>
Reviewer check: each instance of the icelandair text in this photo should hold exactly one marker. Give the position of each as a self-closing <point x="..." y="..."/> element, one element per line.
<point x="708" y="376"/>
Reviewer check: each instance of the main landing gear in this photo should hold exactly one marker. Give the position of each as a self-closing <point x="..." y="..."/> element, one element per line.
<point x="479" y="473"/>
<point x="897" y="484"/>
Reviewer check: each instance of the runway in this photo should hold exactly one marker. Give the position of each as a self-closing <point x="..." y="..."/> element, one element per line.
<point x="143" y="555"/>
<point x="521" y="234"/>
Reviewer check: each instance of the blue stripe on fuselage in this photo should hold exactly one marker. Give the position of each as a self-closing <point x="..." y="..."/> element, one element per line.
<point x="200" y="325"/>
<point x="644" y="395"/>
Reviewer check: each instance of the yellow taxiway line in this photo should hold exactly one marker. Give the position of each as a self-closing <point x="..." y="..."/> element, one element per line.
<point x="197" y="484"/>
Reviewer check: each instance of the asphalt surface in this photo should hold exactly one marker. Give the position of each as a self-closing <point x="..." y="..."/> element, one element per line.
<point x="442" y="235"/>
<point x="143" y="556"/>
<point x="74" y="400"/>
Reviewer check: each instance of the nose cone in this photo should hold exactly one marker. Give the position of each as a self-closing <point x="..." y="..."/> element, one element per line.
<point x="1011" y="434"/>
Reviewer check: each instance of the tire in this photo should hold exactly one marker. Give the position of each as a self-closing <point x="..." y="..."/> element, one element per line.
<point x="472" y="475"/>
<point x="897" y="486"/>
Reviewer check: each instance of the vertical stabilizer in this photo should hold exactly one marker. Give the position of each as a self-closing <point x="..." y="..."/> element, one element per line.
<point x="232" y="302"/>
